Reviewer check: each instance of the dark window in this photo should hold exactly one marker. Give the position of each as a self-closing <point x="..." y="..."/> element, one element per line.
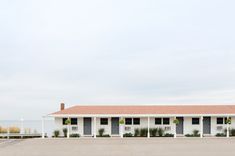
<point x="220" y="121"/>
<point x="166" y="121"/>
<point x="136" y="121"/>
<point x="104" y="121"/>
<point x="158" y="121"/>
<point x="64" y="119"/>
<point x="128" y="121"/>
<point x="74" y="121"/>
<point x="195" y="121"/>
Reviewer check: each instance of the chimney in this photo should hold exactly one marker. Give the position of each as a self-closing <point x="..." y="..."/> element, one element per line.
<point x="62" y="106"/>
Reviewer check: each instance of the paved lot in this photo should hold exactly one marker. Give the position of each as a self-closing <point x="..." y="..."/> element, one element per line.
<point x="119" y="147"/>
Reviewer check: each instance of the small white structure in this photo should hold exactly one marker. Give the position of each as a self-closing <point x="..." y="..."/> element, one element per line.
<point x="207" y="120"/>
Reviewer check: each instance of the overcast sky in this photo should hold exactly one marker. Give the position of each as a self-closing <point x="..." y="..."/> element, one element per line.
<point x="114" y="52"/>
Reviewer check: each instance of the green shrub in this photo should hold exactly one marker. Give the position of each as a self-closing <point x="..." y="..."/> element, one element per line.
<point x="56" y="133"/>
<point x="153" y="132"/>
<point x="101" y="132"/>
<point x="196" y="133"/>
<point x="74" y="135"/>
<point x="189" y="135"/>
<point x="232" y="131"/>
<point x="127" y="135"/>
<point x="220" y="135"/>
<point x="160" y="132"/>
<point x="137" y="132"/>
<point x="65" y="130"/>
<point x="143" y="132"/>
<point x="168" y="135"/>
<point x="106" y="135"/>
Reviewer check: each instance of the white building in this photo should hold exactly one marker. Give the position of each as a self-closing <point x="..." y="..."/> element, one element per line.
<point x="208" y="120"/>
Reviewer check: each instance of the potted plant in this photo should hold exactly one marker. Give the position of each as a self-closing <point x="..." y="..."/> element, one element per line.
<point x="121" y="123"/>
<point x="68" y="123"/>
<point x="176" y="122"/>
<point x="228" y="121"/>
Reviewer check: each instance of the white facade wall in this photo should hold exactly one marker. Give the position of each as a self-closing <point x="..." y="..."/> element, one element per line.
<point x="60" y="126"/>
<point x="217" y="128"/>
<point x="168" y="128"/>
<point x="107" y="128"/>
<point x="188" y="127"/>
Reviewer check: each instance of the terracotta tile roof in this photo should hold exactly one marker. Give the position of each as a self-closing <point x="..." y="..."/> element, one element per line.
<point x="149" y="109"/>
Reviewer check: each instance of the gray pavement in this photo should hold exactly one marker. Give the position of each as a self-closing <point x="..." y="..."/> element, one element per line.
<point x="119" y="147"/>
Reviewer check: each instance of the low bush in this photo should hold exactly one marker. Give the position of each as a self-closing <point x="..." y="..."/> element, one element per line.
<point x="56" y="133"/>
<point x="232" y="131"/>
<point x="101" y="132"/>
<point x="74" y="135"/>
<point x="143" y="132"/>
<point x="220" y="135"/>
<point x="153" y="132"/>
<point x="168" y="135"/>
<point x="188" y="135"/>
<point x="137" y="132"/>
<point x="104" y="135"/>
<point x="65" y="131"/>
<point x="160" y="132"/>
<point x="128" y="135"/>
<point x="196" y="133"/>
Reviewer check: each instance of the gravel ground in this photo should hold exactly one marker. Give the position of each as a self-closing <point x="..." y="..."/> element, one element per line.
<point x="118" y="146"/>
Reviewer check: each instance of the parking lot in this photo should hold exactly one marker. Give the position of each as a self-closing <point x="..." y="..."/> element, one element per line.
<point x="118" y="146"/>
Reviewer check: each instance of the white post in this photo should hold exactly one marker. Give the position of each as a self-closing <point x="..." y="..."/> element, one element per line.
<point x="43" y="131"/>
<point x="8" y="132"/>
<point x="121" y="127"/>
<point x="21" y="127"/>
<point x="201" y="122"/>
<point x="148" y="127"/>
<point x="174" y="128"/>
<point x="68" y="130"/>
<point x="94" y="127"/>
<point x="227" y="124"/>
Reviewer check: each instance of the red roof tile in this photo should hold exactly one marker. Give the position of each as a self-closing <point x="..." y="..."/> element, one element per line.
<point x="167" y="109"/>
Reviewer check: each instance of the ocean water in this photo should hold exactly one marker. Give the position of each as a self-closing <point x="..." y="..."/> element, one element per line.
<point x="30" y="126"/>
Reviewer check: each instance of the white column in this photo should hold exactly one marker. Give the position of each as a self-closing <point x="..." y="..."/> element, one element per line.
<point x="21" y="127"/>
<point x="8" y="132"/>
<point x="68" y="130"/>
<point x="43" y="130"/>
<point x="227" y="124"/>
<point x="121" y="126"/>
<point x="94" y="127"/>
<point x="174" y="128"/>
<point x="201" y="122"/>
<point x="148" y="127"/>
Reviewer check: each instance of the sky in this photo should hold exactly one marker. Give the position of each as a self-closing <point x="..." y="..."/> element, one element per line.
<point x="114" y="52"/>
